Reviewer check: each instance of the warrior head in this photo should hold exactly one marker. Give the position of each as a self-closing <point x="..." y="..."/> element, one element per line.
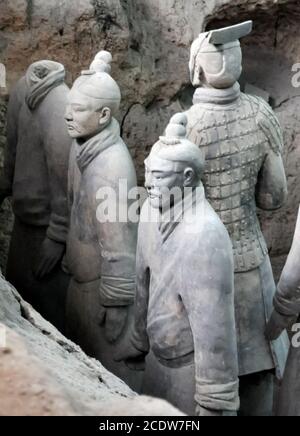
<point x="93" y="100"/>
<point x="216" y="57"/>
<point x="174" y="162"/>
<point x="41" y="77"/>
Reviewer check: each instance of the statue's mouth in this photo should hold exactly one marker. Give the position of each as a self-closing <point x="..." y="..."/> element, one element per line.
<point x="71" y="127"/>
<point x="153" y="196"/>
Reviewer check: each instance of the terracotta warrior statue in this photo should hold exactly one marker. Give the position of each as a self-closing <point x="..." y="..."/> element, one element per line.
<point x="285" y="314"/>
<point x="242" y="142"/>
<point x="100" y="255"/>
<point x="36" y="175"/>
<point x="184" y="309"/>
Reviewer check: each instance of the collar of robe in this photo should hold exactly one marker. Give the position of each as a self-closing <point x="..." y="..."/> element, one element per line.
<point x="41" y="78"/>
<point x="88" y="151"/>
<point x="169" y="220"/>
<point x="217" y="96"/>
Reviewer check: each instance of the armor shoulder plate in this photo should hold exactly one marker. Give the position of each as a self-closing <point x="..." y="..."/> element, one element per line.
<point x="268" y="122"/>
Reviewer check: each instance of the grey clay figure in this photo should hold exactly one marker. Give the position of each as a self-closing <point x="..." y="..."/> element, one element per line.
<point x="184" y="309"/>
<point x="242" y="142"/>
<point x="35" y="175"/>
<point x="100" y="255"/>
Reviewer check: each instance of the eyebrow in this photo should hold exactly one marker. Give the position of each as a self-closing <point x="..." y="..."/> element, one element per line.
<point x="153" y="170"/>
<point x="162" y="172"/>
<point x="77" y="104"/>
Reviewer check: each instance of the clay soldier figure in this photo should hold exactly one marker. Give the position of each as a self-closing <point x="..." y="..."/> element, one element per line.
<point x="286" y="311"/>
<point x="242" y="142"/>
<point x="184" y="310"/>
<point x="100" y="255"/>
<point x="36" y="176"/>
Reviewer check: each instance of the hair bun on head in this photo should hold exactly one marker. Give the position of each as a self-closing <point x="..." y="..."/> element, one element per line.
<point x="102" y="62"/>
<point x="177" y="126"/>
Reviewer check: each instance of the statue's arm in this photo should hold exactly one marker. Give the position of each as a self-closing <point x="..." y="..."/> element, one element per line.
<point x="117" y="241"/>
<point x="137" y="346"/>
<point x="271" y="189"/>
<point x="209" y="301"/>
<point x="139" y="335"/>
<point x="57" y="144"/>
<point x="71" y="177"/>
<point x="287" y="299"/>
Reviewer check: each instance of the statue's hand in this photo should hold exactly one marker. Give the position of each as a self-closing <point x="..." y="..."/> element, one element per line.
<point x="132" y="357"/>
<point x="114" y="319"/>
<point x="50" y="254"/>
<point x="201" y="411"/>
<point x="277" y="324"/>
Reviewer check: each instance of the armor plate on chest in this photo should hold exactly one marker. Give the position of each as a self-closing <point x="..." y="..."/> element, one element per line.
<point x="235" y="148"/>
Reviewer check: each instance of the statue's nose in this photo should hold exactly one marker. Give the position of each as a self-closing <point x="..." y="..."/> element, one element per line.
<point x="148" y="182"/>
<point x="68" y="115"/>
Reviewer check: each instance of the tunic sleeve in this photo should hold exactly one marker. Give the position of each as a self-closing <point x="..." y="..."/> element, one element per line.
<point x="271" y="190"/>
<point x="71" y="176"/>
<point x="209" y="300"/>
<point x="287" y="299"/>
<point x="57" y="144"/>
<point x="117" y="241"/>
<point x="139" y="336"/>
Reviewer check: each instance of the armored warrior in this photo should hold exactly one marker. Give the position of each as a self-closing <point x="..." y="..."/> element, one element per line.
<point x="100" y="254"/>
<point x="36" y="175"/>
<point x="184" y="310"/>
<point x="241" y="139"/>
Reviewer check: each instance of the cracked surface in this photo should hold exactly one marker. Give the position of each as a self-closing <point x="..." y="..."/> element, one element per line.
<point x="43" y="373"/>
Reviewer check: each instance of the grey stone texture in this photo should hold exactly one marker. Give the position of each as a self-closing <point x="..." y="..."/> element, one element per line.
<point x="45" y="374"/>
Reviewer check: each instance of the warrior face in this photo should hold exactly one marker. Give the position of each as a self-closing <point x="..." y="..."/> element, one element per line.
<point x="84" y="116"/>
<point x="93" y="101"/>
<point x="166" y="180"/>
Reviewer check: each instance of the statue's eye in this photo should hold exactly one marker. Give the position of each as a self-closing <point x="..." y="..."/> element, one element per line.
<point x="79" y="108"/>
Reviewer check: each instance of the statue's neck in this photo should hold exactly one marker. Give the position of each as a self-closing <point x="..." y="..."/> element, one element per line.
<point x="91" y="148"/>
<point x="207" y="94"/>
<point x="170" y="219"/>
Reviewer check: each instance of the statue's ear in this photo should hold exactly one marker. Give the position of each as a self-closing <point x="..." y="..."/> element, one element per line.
<point x="105" y="116"/>
<point x="197" y="74"/>
<point x="189" y="176"/>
